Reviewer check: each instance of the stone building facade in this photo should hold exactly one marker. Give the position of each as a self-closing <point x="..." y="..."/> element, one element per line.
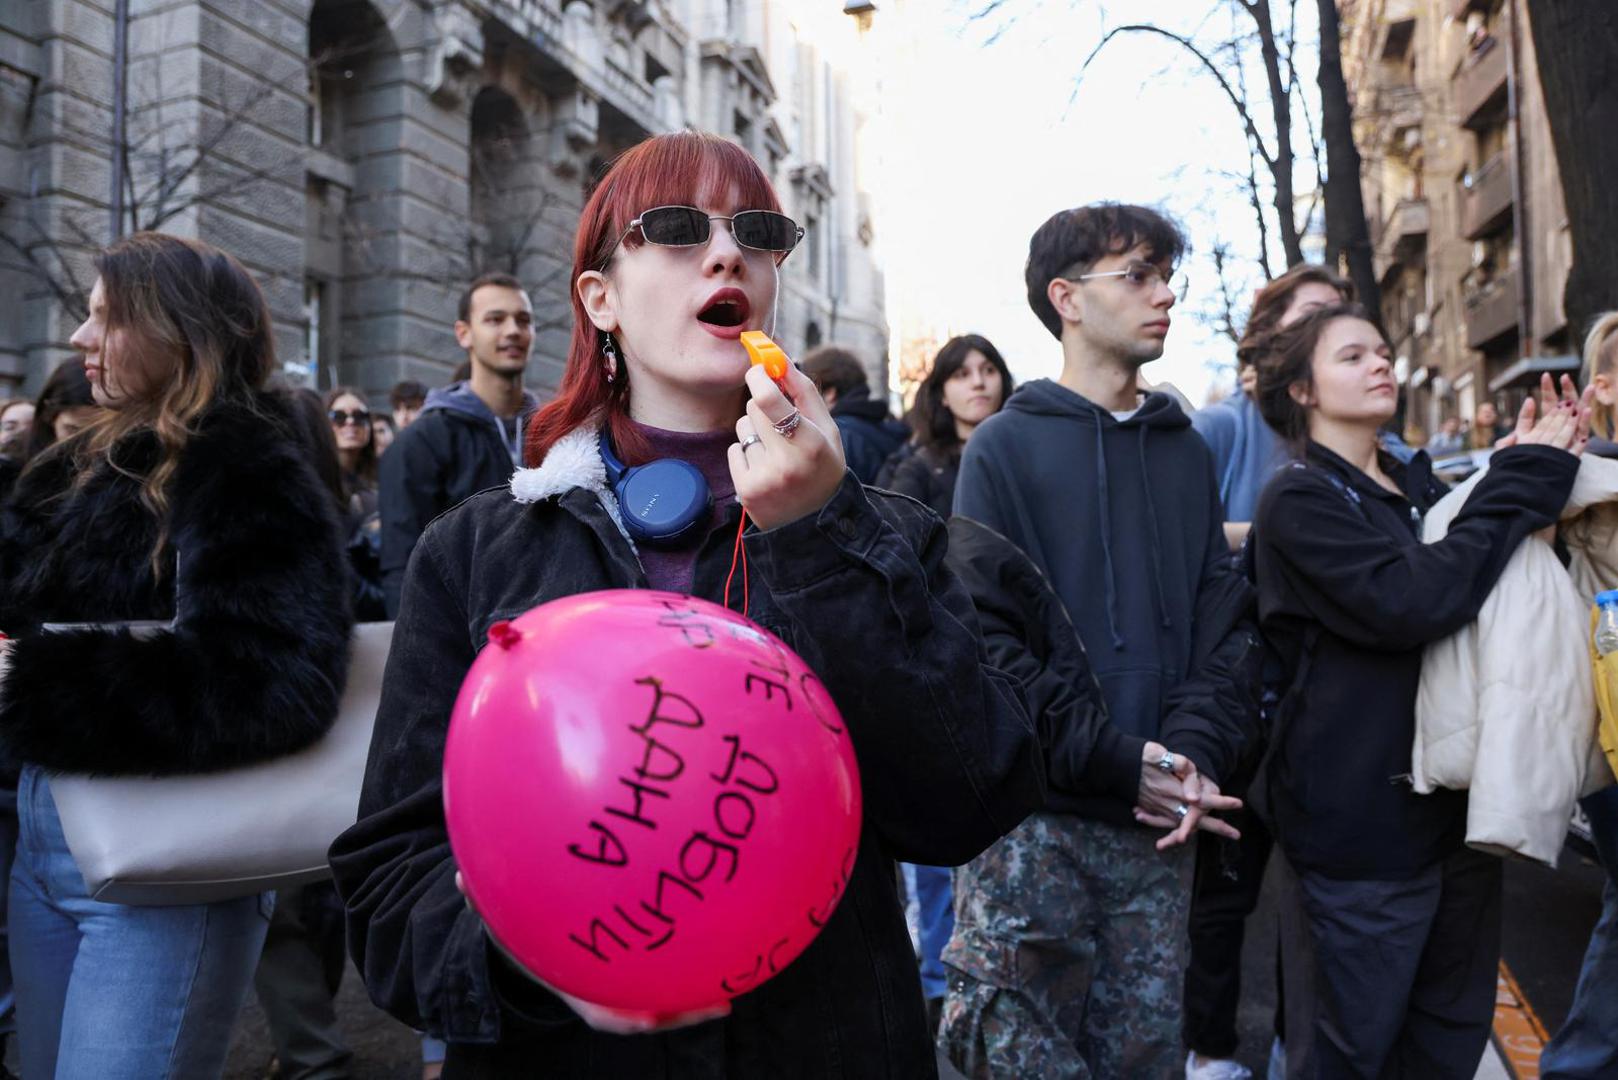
<point x="1464" y="197"/>
<point x="366" y="157"/>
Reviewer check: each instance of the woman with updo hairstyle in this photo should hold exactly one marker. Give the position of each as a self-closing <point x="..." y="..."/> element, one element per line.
<point x="1397" y="919"/>
<point x="851" y="578"/>
<point x="171" y="579"/>
<point x="969" y="382"/>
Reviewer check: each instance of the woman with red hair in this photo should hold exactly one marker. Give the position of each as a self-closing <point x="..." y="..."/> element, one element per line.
<point x="677" y="254"/>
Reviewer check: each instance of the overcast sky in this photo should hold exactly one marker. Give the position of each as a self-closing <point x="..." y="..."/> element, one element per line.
<point x="985" y="139"/>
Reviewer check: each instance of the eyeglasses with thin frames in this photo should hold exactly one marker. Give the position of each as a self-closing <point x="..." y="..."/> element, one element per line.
<point x="1141" y="275"/>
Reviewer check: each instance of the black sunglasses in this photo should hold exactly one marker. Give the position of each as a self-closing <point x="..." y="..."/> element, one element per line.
<point x="358" y="416"/>
<point x="686" y="226"/>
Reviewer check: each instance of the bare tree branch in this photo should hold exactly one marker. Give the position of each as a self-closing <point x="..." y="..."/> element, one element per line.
<point x="1208" y="65"/>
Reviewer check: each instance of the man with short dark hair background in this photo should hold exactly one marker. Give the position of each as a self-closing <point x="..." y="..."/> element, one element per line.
<point x="468" y="436"/>
<point x="1070" y="944"/>
<point x="869" y="433"/>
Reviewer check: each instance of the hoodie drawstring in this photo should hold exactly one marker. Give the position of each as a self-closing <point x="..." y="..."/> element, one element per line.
<point x="1106" y="535"/>
<point x="1151" y="525"/>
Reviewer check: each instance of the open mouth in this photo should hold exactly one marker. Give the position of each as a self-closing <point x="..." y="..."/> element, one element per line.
<point x="726" y="308"/>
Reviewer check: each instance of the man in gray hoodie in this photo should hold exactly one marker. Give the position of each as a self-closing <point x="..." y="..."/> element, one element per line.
<point x="468" y="436"/>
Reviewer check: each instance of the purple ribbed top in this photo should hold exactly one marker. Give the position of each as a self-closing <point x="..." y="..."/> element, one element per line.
<point x="671" y="568"/>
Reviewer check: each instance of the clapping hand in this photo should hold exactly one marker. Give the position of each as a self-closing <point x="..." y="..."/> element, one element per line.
<point x="1562" y="422"/>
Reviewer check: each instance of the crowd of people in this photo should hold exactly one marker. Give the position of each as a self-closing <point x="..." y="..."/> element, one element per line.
<point x="1106" y="665"/>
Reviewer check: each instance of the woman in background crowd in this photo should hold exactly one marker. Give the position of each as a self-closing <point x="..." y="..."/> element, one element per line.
<point x="16" y="421"/>
<point x="1393" y="923"/>
<point x="350" y="421"/>
<point x="188" y="503"/>
<point x="968" y="383"/>
<point x="1586" y="1046"/>
<point x="65" y="407"/>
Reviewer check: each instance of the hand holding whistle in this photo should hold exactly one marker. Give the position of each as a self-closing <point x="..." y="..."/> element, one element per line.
<point x="788" y="459"/>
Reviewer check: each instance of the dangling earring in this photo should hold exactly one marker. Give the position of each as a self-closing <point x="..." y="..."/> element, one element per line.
<point x="610" y="355"/>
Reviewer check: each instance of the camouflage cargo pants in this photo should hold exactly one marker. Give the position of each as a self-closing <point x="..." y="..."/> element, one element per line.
<point x="1069" y="954"/>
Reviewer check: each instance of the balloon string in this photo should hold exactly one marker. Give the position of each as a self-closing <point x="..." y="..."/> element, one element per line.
<point x="739" y="554"/>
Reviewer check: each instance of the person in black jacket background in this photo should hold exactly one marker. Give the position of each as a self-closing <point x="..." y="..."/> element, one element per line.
<point x="869" y="433"/>
<point x="468" y="436"/>
<point x="190" y="503"/>
<point x="1394" y="932"/>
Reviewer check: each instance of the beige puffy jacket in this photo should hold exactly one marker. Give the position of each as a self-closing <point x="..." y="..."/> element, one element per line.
<point x="1507" y="704"/>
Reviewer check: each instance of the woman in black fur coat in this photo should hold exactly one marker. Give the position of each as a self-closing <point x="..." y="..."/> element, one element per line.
<point x="189" y="504"/>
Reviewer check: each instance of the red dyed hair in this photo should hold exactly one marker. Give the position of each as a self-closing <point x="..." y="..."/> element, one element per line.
<point x="685" y="168"/>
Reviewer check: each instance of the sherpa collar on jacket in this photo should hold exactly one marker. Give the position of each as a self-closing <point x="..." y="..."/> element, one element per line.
<point x="574" y="461"/>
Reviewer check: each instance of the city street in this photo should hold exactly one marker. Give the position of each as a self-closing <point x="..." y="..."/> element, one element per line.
<point x="1548" y="916"/>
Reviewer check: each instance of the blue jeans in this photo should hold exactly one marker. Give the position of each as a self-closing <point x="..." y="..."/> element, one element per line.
<point x="108" y="991"/>
<point x="935" y="920"/>
<point x="8" y="846"/>
<point x="1586" y="1046"/>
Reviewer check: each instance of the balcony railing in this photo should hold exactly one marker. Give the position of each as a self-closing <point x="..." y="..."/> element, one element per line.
<point x="1491" y="312"/>
<point x="1480" y="85"/>
<point x="1399" y="107"/>
<point x="1404" y="231"/>
<point x="1487" y="202"/>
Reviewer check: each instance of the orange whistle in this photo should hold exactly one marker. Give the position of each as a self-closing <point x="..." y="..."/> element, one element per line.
<point x="761" y="350"/>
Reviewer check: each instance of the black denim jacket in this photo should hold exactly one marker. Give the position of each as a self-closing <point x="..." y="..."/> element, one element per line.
<point x="949" y="761"/>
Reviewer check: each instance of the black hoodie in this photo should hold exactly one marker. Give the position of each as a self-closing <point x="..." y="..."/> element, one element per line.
<point x="869" y="433"/>
<point x="1123" y="517"/>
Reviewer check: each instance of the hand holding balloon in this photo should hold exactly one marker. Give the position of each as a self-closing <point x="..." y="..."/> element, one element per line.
<point x="654" y="803"/>
<point x="601" y="1018"/>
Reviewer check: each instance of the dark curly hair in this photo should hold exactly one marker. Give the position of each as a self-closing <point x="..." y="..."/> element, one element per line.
<point x="1072" y="241"/>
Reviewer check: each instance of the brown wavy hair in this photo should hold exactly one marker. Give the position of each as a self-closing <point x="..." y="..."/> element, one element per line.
<point x="192" y="331"/>
<point x="1286" y="360"/>
<point x="1273" y="299"/>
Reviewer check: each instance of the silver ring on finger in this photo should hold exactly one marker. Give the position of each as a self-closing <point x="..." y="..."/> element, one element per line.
<point x="786" y="427"/>
<point x="1166" y="762"/>
<point x="751" y="440"/>
<point x="1181" y="811"/>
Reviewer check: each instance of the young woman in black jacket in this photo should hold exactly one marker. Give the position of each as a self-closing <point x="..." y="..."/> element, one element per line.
<point x="189" y="505"/>
<point x="1398" y="922"/>
<point x="850" y="578"/>
<point x="968" y="383"/>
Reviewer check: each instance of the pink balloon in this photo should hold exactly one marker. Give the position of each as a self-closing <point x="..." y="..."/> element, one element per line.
<point x="653" y="802"/>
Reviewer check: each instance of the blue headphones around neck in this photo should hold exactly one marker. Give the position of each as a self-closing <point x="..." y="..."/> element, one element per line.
<point x="662" y="501"/>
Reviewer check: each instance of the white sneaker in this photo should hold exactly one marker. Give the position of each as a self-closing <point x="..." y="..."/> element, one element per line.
<point x="1215" y="1069"/>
